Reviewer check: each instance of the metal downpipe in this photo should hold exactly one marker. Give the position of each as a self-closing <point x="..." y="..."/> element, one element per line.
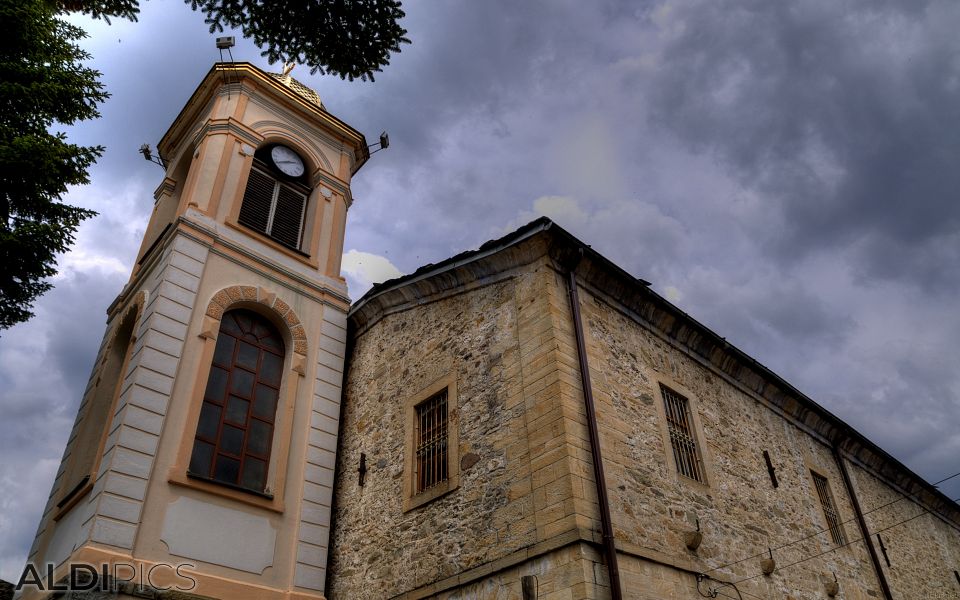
<point x="861" y="522"/>
<point x="609" y="547"/>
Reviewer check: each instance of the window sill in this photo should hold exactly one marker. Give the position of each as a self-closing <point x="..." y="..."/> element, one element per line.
<point x="426" y="496"/>
<point x="232" y="486"/>
<point x="225" y="490"/>
<point x="73" y="498"/>
<point x="294" y="253"/>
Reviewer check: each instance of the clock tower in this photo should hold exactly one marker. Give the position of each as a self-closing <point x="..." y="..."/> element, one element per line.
<point x="202" y="458"/>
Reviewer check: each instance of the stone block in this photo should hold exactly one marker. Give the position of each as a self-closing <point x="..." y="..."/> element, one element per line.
<point x="148" y="399"/>
<point x="320" y="457"/>
<point x="130" y="462"/>
<point x="166" y="325"/>
<point x="176" y="293"/>
<point x="319" y="475"/>
<point x="315" y="514"/>
<point x="113" y="533"/>
<point x="124" y="485"/>
<point x="169" y="308"/>
<point x="323" y="423"/>
<point x="333" y="331"/>
<point x="309" y="554"/>
<point x="161" y="342"/>
<point x="159" y="362"/>
<point x="190" y="249"/>
<point x="149" y="421"/>
<point x="135" y="439"/>
<point x="152" y="380"/>
<point x="118" y="508"/>
<point x="313" y="534"/>
<point x="309" y="577"/>
<point x="327" y="390"/>
<point x="188" y="282"/>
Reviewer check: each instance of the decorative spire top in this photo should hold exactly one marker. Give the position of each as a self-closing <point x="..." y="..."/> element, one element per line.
<point x="302" y="90"/>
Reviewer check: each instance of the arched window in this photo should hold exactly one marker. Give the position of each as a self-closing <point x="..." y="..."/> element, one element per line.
<point x="275" y="199"/>
<point x="235" y="431"/>
<point x="96" y="415"/>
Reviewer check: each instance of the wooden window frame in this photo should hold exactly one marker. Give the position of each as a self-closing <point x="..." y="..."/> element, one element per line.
<point x="412" y="498"/>
<point x="250" y="417"/>
<point x="704" y="457"/>
<point x="278" y="183"/>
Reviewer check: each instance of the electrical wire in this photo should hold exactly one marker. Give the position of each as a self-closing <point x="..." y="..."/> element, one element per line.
<point x="714" y="592"/>
<point x="834" y="549"/>
<point x="821" y="531"/>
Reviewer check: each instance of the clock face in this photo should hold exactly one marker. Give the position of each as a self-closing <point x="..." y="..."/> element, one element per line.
<point x="287" y="161"/>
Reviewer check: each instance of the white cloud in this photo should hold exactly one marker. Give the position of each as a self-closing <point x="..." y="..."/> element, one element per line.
<point x="363" y="269"/>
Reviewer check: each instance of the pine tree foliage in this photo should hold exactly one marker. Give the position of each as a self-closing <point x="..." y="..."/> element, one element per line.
<point x="348" y="38"/>
<point x="43" y="83"/>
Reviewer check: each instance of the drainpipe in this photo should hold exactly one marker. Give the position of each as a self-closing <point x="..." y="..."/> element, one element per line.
<point x="609" y="547"/>
<point x="860" y="521"/>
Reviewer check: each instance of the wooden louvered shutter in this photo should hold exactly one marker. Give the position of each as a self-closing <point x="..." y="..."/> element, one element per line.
<point x="257" y="200"/>
<point x="288" y="216"/>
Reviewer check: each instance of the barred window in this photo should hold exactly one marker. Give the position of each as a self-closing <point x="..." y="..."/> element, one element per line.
<point x="431" y="442"/>
<point x="829" y="509"/>
<point x="686" y="455"/>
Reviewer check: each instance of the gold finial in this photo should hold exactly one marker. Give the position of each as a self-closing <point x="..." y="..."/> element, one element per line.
<point x="287" y="67"/>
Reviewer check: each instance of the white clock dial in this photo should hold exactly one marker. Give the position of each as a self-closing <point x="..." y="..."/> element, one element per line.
<point x="287" y="161"/>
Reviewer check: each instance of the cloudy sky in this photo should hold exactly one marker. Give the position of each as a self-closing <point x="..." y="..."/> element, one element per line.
<point x="786" y="172"/>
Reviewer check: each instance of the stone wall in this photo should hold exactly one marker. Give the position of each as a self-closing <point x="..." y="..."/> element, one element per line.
<point x="740" y="512"/>
<point x="517" y="493"/>
<point x="526" y="502"/>
<point x="923" y="551"/>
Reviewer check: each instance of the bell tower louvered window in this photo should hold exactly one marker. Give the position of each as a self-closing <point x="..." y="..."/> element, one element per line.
<point x="275" y="200"/>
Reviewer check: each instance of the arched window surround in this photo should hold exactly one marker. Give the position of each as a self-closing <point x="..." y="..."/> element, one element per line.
<point x="326" y="207"/>
<point x="285" y="319"/>
<point x="95" y="418"/>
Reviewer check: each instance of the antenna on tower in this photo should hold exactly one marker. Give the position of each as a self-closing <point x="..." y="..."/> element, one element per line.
<point x="225" y="43"/>
<point x="149" y="157"/>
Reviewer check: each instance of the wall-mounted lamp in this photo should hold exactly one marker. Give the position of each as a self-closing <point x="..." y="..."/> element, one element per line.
<point x="833" y="587"/>
<point x="768" y="565"/>
<point x="384" y="143"/>
<point x="693" y="538"/>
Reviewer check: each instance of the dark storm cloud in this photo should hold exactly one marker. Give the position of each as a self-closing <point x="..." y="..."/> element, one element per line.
<point x="781" y="171"/>
<point x="845" y="114"/>
<point x="43" y="371"/>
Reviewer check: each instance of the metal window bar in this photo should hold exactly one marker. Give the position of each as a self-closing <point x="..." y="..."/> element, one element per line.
<point x="682" y="440"/>
<point x="431" y="449"/>
<point x="829" y="510"/>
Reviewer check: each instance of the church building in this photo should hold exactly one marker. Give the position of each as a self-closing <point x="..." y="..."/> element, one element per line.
<point x="524" y="421"/>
